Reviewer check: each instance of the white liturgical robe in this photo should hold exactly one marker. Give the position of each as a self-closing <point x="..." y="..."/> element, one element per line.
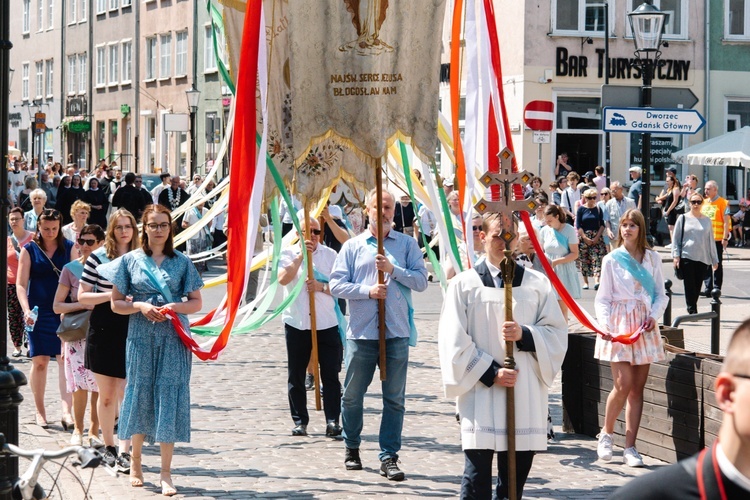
<point x="470" y="339"/>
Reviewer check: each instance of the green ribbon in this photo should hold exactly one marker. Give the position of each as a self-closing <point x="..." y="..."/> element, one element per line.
<point x="448" y="218"/>
<point x="217" y="25"/>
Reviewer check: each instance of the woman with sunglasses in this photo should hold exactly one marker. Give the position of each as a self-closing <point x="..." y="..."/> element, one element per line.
<point x="157" y="396"/>
<point x="39" y="267"/>
<point x="18" y="238"/>
<point x="108" y="331"/>
<point x="590" y="227"/>
<point x="80" y="381"/>
<point x="694" y="250"/>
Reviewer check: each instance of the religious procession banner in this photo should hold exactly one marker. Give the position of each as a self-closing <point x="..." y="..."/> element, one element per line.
<point x="362" y="72"/>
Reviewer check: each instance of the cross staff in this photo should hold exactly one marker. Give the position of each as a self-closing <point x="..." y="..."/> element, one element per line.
<point x="505" y="207"/>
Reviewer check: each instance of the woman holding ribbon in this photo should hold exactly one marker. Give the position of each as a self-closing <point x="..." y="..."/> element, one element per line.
<point x="157" y="395"/>
<point x="560" y="243"/>
<point x="630" y="299"/>
<point x="105" y="342"/>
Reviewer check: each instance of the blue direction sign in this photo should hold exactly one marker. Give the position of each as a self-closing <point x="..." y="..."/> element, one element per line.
<point x="652" y="120"/>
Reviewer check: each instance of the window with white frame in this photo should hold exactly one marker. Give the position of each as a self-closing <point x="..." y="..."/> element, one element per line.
<point x="39" y="79"/>
<point x="82" y="72"/>
<point x="26" y="16"/>
<point x="114" y="64"/>
<point x="72" y="74"/>
<point x="84" y="10"/>
<point x="127" y="60"/>
<point x="579" y="16"/>
<point x="72" y="11"/>
<point x="738" y="114"/>
<point x="25" y="81"/>
<point x="101" y="67"/>
<point x="127" y="3"/>
<point x="737" y="22"/>
<point x="209" y="54"/>
<point x="165" y="55"/>
<point x="49" y="69"/>
<point x="150" y="58"/>
<point x="181" y="54"/>
<point x="101" y="6"/>
<point x="50" y="14"/>
<point x="114" y="4"/>
<point x="40" y="15"/>
<point x="675" y="25"/>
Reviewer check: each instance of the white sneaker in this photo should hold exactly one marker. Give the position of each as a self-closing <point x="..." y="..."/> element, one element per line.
<point x="76" y="439"/>
<point x="668" y="247"/>
<point x="632" y="458"/>
<point x="604" y="449"/>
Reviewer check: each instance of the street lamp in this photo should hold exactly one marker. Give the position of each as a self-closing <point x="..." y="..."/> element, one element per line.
<point x="647" y="25"/>
<point x="193" y="97"/>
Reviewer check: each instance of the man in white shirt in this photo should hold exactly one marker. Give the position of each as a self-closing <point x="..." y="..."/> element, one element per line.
<point x="296" y="320"/>
<point x="616" y="207"/>
<point x="165" y="181"/>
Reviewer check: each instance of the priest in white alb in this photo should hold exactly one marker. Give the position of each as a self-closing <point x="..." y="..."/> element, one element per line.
<point x="472" y="336"/>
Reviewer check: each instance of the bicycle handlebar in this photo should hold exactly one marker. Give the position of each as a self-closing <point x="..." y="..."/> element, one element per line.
<point x="87" y="456"/>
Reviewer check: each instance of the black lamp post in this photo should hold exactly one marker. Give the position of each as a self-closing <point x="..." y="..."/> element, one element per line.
<point x="193" y="97"/>
<point x="10" y="378"/>
<point x="647" y="25"/>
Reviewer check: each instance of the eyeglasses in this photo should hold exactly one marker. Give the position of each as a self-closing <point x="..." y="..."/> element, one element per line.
<point x="696" y="202"/>
<point x="741" y="375"/>
<point x="84" y="241"/>
<point x="606" y="194"/>
<point x="50" y="213"/>
<point x="316" y="232"/>
<point x="15" y="219"/>
<point x="590" y="197"/>
<point x="158" y="227"/>
<point x="476" y="228"/>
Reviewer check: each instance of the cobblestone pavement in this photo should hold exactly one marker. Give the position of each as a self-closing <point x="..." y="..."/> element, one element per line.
<point x="242" y="445"/>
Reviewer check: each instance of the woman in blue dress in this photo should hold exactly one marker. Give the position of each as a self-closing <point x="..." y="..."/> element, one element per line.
<point x="157" y="395"/>
<point x="560" y="243"/>
<point x="39" y="267"/>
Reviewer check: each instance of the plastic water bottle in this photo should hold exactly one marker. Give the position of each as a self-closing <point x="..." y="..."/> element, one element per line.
<point x="34" y="314"/>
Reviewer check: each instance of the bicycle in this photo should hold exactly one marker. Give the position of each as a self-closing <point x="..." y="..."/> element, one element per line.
<point x="27" y="487"/>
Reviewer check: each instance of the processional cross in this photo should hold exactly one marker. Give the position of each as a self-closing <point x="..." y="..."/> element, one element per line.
<point x="505" y="207"/>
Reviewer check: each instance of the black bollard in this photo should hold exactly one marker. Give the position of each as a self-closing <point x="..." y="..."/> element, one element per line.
<point x="716" y="321"/>
<point x="668" y="310"/>
<point x="10" y="378"/>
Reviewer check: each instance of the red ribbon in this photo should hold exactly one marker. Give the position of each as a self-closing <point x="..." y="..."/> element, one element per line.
<point x="627" y="338"/>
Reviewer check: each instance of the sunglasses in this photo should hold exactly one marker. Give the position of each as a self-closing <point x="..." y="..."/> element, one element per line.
<point x="590" y="197"/>
<point x="85" y="241"/>
<point x="316" y="232"/>
<point x="50" y="213"/>
<point x="476" y="228"/>
<point x="696" y="202"/>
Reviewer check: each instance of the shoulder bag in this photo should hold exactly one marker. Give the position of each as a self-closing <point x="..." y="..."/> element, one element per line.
<point x="74" y="325"/>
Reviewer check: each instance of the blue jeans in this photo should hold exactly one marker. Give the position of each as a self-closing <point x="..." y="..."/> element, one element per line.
<point x="361" y="359"/>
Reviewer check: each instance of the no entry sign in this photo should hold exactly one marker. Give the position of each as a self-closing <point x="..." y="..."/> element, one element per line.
<point x="539" y="115"/>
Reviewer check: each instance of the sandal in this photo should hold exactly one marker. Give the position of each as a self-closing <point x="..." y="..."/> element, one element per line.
<point x="167" y="488"/>
<point x="136" y="471"/>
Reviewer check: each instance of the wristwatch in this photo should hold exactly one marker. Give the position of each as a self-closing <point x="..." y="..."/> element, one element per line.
<point x="325" y="287"/>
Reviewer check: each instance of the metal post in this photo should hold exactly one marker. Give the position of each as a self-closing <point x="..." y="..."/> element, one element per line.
<point x="193" y="153"/>
<point x="716" y="321"/>
<point x="607" y="145"/>
<point x="668" y="310"/>
<point x="647" y="68"/>
<point x="10" y="378"/>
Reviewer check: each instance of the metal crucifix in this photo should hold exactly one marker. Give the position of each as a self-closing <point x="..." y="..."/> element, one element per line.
<point x="505" y="207"/>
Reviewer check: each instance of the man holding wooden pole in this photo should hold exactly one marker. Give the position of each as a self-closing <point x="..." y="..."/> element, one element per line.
<point x="311" y="332"/>
<point x="355" y="277"/>
<point x="473" y="339"/>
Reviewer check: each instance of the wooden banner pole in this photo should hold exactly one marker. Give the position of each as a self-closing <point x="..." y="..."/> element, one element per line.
<point x="313" y="326"/>
<point x="381" y="275"/>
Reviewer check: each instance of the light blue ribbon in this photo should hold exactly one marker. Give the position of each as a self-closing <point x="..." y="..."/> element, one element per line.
<point x="339" y="315"/>
<point x="405" y="291"/>
<point x="561" y="239"/>
<point x="155" y="276"/>
<point x="636" y="270"/>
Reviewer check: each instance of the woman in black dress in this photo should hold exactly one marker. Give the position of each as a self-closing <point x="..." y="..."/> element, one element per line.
<point x="66" y="196"/>
<point x="673" y="188"/>
<point x="97" y="198"/>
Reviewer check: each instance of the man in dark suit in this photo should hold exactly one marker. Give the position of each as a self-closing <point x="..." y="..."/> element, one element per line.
<point x="129" y="197"/>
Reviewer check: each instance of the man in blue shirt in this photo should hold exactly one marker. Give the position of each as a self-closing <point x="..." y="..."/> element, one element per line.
<point x="355" y="277"/>
<point x="637" y="188"/>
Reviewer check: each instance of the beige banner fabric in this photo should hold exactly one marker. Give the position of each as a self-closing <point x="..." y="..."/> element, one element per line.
<point x="363" y="72"/>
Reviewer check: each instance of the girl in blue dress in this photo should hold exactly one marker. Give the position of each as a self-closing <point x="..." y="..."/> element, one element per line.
<point x="157" y="395"/>
<point x="39" y="267"/>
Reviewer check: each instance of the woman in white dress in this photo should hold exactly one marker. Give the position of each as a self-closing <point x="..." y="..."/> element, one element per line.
<point x="631" y="296"/>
